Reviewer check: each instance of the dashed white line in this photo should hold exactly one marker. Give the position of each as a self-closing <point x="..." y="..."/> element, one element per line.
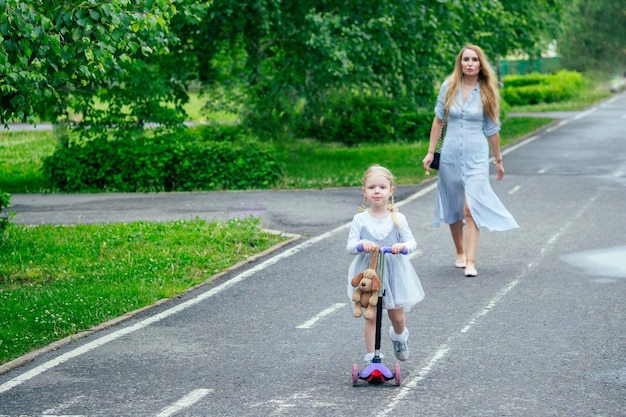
<point x="444" y="349"/>
<point x="310" y="323"/>
<point x="514" y="189"/>
<point x="57" y="411"/>
<point x="185" y="402"/>
<point x="489" y="306"/>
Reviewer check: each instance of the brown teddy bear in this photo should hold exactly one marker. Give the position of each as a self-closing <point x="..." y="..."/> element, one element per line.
<point x="367" y="285"/>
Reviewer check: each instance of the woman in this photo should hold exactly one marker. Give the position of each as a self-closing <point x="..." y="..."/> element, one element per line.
<point x="468" y="103"/>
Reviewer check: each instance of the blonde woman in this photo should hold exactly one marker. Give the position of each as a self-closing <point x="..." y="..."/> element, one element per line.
<point x="468" y="102"/>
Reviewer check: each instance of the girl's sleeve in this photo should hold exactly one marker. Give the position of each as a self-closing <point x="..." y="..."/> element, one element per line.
<point x="407" y="236"/>
<point x="354" y="237"/>
<point x="439" y="107"/>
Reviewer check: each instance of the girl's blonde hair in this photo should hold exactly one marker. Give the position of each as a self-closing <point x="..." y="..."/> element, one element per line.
<point x="379" y="169"/>
<point x="486" y="78"/>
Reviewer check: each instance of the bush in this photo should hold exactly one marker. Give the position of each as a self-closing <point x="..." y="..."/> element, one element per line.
<point x="204" y="159"/>
<point x="520" y="90"/>
<point x="354" y="119"/>
<point x="5" y="216"/>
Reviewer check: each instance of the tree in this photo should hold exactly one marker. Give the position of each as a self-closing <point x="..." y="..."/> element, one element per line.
<point x="294" y="54"/>
<point x="60" y="56"/>
<point x="593" y="37"/>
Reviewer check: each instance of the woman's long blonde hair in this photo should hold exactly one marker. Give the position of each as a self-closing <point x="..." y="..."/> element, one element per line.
<point x="486" y="78"/>
<point x="379" y="169"/>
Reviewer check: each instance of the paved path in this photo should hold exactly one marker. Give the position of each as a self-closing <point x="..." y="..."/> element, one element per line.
<point x="540" y="332"/>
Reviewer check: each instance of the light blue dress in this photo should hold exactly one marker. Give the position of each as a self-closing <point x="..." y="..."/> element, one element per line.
<point x="402" y="286"/>
<point x="464" y="165"/>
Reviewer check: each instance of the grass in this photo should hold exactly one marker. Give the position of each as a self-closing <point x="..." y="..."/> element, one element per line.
<point x="310" y="164"/>
<point x="56" y="281"/>
<point x="21" y="157"/>
<point x="59" y="280"/>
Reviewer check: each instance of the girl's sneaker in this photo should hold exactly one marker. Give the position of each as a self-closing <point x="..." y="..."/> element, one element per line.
<point x="400" y="350"/>
<point x="370" y="356"/>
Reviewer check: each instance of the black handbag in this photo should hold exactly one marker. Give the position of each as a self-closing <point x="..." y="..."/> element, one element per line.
<point x="435" y="163"/>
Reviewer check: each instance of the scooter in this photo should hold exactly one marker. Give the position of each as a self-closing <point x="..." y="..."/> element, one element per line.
<point x="376" y="372"/>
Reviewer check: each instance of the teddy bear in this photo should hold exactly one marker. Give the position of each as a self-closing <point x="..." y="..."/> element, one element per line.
<point x="367" y="285"/>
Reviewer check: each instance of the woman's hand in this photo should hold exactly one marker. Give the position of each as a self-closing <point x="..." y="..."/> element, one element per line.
<point x="500" y="170"/>
<point x="428" y="159"/>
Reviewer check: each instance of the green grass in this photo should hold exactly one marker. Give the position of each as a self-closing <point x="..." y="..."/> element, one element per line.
<point x="59" y="280"/>
<point x="21" y="156"/>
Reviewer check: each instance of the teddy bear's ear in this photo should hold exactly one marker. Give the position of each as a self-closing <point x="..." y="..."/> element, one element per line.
<point x="375" y="283"/>
<point x="357" y="279"/>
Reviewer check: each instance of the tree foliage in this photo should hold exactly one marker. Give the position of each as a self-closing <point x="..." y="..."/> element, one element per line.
<point x="293" y="55"/>
<point x="593" y="37"/>
<point x="71" y="56"/>
<point x="115" y="64"/>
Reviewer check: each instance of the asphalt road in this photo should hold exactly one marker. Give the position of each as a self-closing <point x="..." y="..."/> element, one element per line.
<point x="540" y="332"/>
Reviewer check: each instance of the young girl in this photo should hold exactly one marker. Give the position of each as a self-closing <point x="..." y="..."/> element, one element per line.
<point x="382" y="225"/>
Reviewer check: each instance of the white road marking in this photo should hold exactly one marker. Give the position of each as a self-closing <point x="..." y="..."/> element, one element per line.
<point x="309" y="323"/>
<point x="56" y="411"/>
<point x="445" y="348"/>
<point x="88" y="347"/>
<point x="494" y="301"/>
<point x="584" y="114"/>
<point x="185" y="402"/>
<point x="514" y="189"/>
<point x="558" y="125"/>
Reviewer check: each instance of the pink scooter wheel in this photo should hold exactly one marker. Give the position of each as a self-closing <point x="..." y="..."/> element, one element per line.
<point x="397" y="374"/>
<point x="355" y="374"/>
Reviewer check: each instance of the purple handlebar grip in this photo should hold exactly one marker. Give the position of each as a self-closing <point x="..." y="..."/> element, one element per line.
<point x="383" y="249"/>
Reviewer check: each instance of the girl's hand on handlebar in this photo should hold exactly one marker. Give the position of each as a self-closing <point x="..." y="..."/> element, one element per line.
<point x="397" y="248"/>
<point x="368" y="246"/>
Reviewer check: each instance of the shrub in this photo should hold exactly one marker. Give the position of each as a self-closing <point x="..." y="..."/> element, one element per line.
<point x="541" y="88"/>
<point x="186" y="161"/>
<point x="5" y="215"/>
<point x="363" y="118"/>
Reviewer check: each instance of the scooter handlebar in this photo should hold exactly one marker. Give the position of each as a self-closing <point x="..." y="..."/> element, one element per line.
<point x="383" y="249"/>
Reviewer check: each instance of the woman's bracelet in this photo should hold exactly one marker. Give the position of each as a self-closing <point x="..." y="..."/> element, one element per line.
<point x="497" y="161"/>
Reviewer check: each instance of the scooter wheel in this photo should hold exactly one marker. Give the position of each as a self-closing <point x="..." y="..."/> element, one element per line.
<point x="397" y="374"/>
<point x="355" y="374"/>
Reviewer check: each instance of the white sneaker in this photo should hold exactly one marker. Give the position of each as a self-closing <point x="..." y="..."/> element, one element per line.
<point x="400" y="350"/>
<point x="400" y="347"/>
<point x="369" y="357"/>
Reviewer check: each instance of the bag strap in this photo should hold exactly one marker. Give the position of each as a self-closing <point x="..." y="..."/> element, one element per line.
<point x="442" y="132"/>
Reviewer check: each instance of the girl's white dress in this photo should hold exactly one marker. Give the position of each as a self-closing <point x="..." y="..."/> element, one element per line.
<point x="402" y="286"/>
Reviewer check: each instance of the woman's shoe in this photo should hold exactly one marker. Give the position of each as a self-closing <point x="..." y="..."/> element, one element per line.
<point x="470" y="270"/>
<point x="460" y="262"/>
